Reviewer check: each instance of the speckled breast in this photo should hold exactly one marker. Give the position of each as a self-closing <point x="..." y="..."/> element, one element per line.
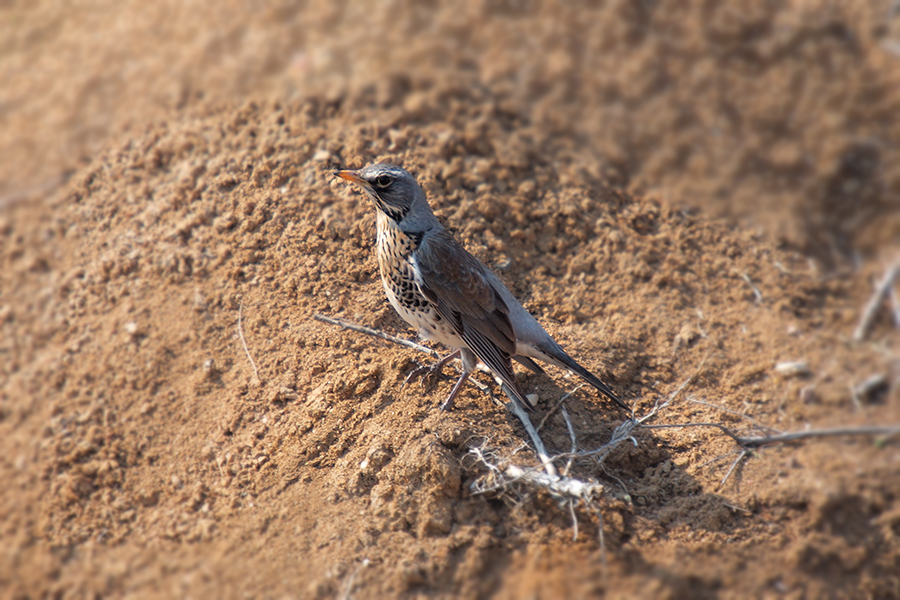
<point x="396" y="261"/>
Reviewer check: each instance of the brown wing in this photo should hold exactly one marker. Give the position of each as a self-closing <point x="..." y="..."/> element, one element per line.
<point x="455" y="282"/>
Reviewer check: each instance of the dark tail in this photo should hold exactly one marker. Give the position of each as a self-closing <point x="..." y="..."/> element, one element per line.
<point x="527" y="362"/>
<point x="569" y="363"/>
<point x="516" y="395"/>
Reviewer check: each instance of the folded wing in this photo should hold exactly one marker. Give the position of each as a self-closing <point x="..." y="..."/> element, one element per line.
<point x="455" y="282"/>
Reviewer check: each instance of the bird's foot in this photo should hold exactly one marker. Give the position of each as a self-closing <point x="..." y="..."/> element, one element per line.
<point x="430" y="372"/>
<point x="427" y="373"/>
<point x="448" y="403"/>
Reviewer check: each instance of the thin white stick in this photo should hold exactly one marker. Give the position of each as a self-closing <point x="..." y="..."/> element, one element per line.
<point x="620" y="434"/>
<point x="854" y="397"/>
<point x="733" y="467"/>
<point x="565" y="487"/>
<point x="348" y="585"/>
<point x="574" y="519"/>
<point x="733" y="412"/>
<point x="658" y="407"/>
<point x="565" y="414"/>
<point x="562" y="486"/>
<point x="602" y="541"/>
<point x="557" y="405"/>
<point x="718" y="458"/>
<point x="895" y="306"/>
<point x="881" y="291"/>
<point x="240" y="329"/>
<point x="756" y="293"/>
<point x="539" y="448"/>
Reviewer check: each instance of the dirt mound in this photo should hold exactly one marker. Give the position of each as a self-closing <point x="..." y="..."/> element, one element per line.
<point x="174" y="422"/>
<point x="153" y="459"/>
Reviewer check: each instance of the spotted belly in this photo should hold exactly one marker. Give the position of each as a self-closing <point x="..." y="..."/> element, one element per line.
<point x="396" y="261"/>
<point x="403" y="293"/>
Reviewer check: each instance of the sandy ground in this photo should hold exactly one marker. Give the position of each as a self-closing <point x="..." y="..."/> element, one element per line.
<point x="685" y="196"/>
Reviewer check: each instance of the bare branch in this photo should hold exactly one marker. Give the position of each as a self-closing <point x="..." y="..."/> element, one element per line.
<point x="621" y="434"/>
<point x="562" y="486"/>
<point x="348" y="585"/>
<point x="733" y="412"/>
<point x="658" y="407"/>
<point x="854" y="397"/>
<point x="602" y="540"/>
<point x="895" y="306"/>
<point x="718" y="458"/>
<point x="760" y="441"/>
<point x="375" y="333"/>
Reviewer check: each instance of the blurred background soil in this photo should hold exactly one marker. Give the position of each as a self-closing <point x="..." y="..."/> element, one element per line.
<point x="680" y="191"/>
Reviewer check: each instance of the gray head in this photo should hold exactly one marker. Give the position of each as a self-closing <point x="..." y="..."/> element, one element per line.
<point x="396" y="193"/>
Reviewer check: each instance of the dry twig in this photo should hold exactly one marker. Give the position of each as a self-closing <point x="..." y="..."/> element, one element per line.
<point x="557" y="405"/>
<point x="895" y="306"/>
<point x="240" y="330"/>
<point x="602" y="540"/>
<point x="375" y="333"/>
<point x="574" y="519"/>
<point x="504" y="477"/>
<point x="734" y="465"/>
<point x="756" y="293"/>
<point x="565" y="414"/>
<point x="539" y="448"/>
<point x="882" y="290"/>
<point x="351" y="579"/>
<point x="795" y="436"/>
<point x="729" y="411"/>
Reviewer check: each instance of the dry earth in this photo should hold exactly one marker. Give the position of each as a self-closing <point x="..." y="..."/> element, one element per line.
<point x="164" y="171"/>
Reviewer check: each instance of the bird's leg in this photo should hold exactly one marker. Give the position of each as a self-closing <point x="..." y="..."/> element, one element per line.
<point x="448" y="403"/>
<point x="428" y="371"/>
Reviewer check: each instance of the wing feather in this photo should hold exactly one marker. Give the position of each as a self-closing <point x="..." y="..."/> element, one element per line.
<point x="457" y="285"/>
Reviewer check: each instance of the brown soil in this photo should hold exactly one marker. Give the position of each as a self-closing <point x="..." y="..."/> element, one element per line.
<point x="164" y="173"/>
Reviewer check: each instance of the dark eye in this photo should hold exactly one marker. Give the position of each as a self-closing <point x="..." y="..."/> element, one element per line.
<point x="383" y="181"/>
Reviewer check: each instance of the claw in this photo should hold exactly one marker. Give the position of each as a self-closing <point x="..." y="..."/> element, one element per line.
<point x="424" y="371"/>
<point x="430" y="372"/>
<point x="433" y="372"/>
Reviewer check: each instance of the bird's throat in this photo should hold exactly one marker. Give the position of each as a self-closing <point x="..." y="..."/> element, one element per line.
<point x="393" y="244"/>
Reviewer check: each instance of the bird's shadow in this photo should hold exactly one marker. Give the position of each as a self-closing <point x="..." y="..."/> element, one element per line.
<point x="643" y="470"/>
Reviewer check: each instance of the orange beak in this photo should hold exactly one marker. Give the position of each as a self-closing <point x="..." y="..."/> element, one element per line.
<point x="352" y="177"/>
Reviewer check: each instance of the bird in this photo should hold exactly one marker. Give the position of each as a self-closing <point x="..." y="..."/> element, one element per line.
<point x="450" y="296"/>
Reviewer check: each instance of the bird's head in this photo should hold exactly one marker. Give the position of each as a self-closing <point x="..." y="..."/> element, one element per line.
<point x="395" y="192"/>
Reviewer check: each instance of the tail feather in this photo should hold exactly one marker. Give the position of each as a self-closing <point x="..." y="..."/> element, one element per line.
<point x="559" y="356"/>
<point x="530" y="364"/>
